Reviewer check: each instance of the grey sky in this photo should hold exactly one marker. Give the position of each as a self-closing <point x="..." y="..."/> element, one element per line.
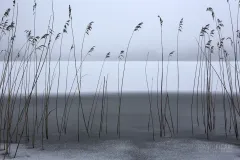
<point x="114" y="21"/>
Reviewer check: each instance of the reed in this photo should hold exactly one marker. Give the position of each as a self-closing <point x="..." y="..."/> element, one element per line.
<point x="106" y="90"/>
<point x="162" y="119"/>
<point x="8" y="115"/>
<point x="35" y="69"/>
<point x="178" y="73"/>
<point x="225" y="58"/>
<point x="167" y="101"/>
<point x="67" y="110"/>
<point x="64" y="31"/>
<point x="36" y="77"/>
<point x="87" y="31"/>
<point x="124" y="67"/>
<point x="89" y="27"/>
<point x="194" y="85"/>
<point x="102" y="108"/>
<point x="120" y="57"/>
<point x="94" y="104"/>
<point x="66" y="84"/>
<point x="151" y="118"/>
<point x="95" y="107"/>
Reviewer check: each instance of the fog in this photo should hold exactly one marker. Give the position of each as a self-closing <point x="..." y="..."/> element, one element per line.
<point x="115" y="20"/>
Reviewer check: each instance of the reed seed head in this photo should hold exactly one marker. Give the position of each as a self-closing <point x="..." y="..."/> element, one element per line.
<point x="57" y="37"/>
<point x="212" y="49"/>
<point x="70" y="12"/>
<point x="34" y="39"/>
<point x="89" y="27"/>
<point x="71" y="47"/>
<point x="171" y="53"/>
<point x="12" y="38"/>
<point x="220" y="44"/>
<point x="209" y="9"/>
<point x="180" y="25"/>
<point x="230" y="39"/>
<point x="11" y="26"/>
<point x="212" y="33"/>
<point x="208" y="45"/>
<point x="225" y="53"/>
<point x="6" y="13"/>
<point x="28" y="32"/>
<point x="238" y="34"/>
<point x="204" y="30"/>
<point x="121" y="56"/>
<point x="34" y="7"/>
<point x="51" y="31"/>
<point x="138" y="26"/>
<point x="65" y="26"/>
<point x="91" y="49"/>
<point x="107" y="55"/>
<point x="45" y="36"/>
<point x="161" y="21"/>
<point x="219" y="24"/>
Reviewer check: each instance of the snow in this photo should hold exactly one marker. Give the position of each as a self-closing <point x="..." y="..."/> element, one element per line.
<point x="134" y="80"/>
<point x="167" y="148"/>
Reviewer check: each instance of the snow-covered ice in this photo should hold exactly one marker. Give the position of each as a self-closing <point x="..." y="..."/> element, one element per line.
<point x="166" y="149"/>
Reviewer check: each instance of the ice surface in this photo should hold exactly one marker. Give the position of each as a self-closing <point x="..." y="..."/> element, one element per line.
<point x="134" y="120"/>
<point x="136" y="142"/>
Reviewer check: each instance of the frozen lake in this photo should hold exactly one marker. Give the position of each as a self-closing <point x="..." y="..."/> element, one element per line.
<point x="136" y="140"/>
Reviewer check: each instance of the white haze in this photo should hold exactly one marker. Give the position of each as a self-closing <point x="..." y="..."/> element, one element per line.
<point x="115" y="20"/>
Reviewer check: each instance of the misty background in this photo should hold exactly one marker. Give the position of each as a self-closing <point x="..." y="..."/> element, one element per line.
<point x="115" y="20"/>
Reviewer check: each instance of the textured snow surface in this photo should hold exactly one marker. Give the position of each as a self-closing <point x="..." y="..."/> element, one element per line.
<point x="167" y="148"/>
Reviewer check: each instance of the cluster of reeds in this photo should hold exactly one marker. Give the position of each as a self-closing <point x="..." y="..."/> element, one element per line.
<point x="227" y="76"/>
<point x="17" y="80"/>
<point x="163" y="110"/>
